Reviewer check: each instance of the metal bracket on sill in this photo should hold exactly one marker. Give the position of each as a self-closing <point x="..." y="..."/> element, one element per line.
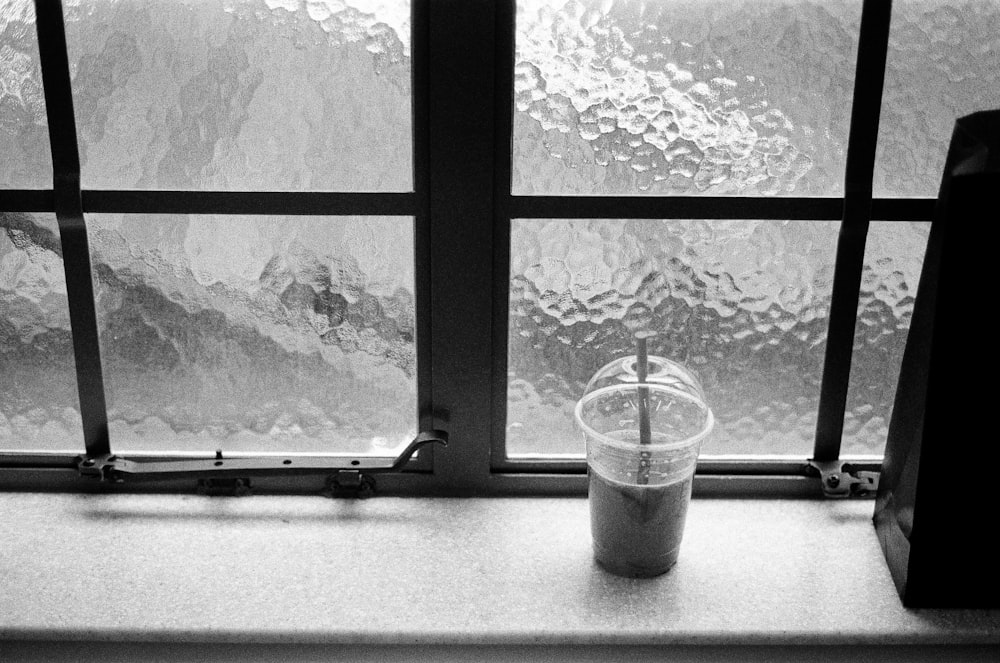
<point x="841" y="479"/>
<point x="232" y="475"/>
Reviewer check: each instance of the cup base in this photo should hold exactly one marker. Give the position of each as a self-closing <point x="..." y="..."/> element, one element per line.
<point x="627" y="568"/>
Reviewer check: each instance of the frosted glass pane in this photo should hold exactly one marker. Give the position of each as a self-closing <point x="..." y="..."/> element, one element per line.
<point x="743" y="304"/>
<point x="39" y="404"/>
<point x="894" y="256"/>
<point x="256" y="333"/>
<point x="742" y="97"/>
<point x="242" y="94"/>
<point x="25" y="160"/>
<point x="943" y="63"/>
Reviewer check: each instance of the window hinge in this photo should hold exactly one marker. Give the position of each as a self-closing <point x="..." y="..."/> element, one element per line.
<point x="841" y="479"/>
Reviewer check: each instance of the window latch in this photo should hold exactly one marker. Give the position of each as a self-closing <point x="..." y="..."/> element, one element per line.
<point x="221" y="471"/>
<point x="841" y="479"/>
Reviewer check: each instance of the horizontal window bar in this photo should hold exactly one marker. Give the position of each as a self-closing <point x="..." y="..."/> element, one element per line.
<point x="25" y="458"/>
<point x="523" y="207"/>
<point x="903" y="209"/>
<point x="38" y="459"/>
<point x="710" y="465"/>
<point x="693" y="207"/>
<point x="62" y="479"/>
<point x="732" y="486"/>
<point x="27" y="200"/>
<point x="251" y="202"/>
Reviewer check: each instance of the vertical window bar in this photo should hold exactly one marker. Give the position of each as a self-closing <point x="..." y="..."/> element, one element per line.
<point x="72" y="229"/>
<point x="870" y="72"/>
<point x="504" y="111"/>
<point x="419" y="22"/>
<point x="461" y="159"/>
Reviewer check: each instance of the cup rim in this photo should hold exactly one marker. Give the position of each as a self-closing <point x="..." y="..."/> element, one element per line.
<point x="621" y="444"/>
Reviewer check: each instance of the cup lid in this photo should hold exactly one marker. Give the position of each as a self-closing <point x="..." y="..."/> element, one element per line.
<point x="664" y="393"/>
<point x="660" y="370"/>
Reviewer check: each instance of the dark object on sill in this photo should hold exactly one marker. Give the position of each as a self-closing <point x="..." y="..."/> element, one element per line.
<point x="938" y="536"/>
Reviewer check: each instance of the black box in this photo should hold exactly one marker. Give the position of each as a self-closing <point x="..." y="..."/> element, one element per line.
<point x="937" y="512"/>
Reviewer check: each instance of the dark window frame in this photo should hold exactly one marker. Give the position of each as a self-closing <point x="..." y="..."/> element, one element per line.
<point x="462" y="208"/>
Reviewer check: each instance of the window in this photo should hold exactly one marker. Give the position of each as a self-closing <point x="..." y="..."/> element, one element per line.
<point x="317" y="228"/>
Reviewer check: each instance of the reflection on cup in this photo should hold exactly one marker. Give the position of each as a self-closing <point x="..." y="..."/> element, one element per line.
<point x="640" y="480"/>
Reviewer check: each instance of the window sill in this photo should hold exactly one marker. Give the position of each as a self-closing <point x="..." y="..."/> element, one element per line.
<point x="470" y="572"/>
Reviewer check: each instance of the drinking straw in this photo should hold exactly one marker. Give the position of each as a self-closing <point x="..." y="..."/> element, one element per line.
<point x="645" y="435"/>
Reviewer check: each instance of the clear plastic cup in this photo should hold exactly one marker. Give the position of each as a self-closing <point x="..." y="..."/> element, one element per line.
<point x="643" y="441"/>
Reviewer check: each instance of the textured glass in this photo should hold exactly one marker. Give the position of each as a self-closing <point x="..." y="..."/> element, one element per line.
<point x="943" y="63"/>
<point x="742" y="97"/>
<point x="25" y="159"/>
<point x="743" y="304"/>
<point x="256" y="333"/>
<point x="242" y="94"/>
<point x="894" y="256"/>
<point x="39" y="404"/>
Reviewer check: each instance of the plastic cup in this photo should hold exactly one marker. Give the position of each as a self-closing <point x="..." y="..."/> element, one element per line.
<point x="640" y="480"/>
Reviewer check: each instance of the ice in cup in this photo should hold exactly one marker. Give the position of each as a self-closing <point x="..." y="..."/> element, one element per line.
<point x="643" y="441"/>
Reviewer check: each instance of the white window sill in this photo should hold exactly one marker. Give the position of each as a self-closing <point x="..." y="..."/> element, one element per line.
<point x="490" y="572"/>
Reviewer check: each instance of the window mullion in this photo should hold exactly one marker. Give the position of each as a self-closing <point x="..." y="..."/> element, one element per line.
<point x="867" y="104"/>
<point x="505" y="209"/>
<point x="419" y="37"/>
<point x="68" y="205"/>
<point x="461" y="186"/>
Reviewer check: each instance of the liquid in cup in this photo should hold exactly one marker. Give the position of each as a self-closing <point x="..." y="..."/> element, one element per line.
<point x="639" y="493"/>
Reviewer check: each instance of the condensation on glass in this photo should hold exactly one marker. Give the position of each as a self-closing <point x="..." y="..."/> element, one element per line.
<point x="25" y="159"/>
<point x="943" y="63"/>
<point x="743" y="304"/>
<point x="729" y="97"/>
<point x="894" y="256"/>
<point x="256" y="334"/>
<point x="39" y="404"/>
<point x="242" y="94"/>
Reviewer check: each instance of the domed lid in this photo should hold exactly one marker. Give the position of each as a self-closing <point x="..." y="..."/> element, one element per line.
<point x="659" y="370"/>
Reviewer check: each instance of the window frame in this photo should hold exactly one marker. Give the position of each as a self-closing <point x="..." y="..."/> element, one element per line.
<point x="462" y="114"/>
